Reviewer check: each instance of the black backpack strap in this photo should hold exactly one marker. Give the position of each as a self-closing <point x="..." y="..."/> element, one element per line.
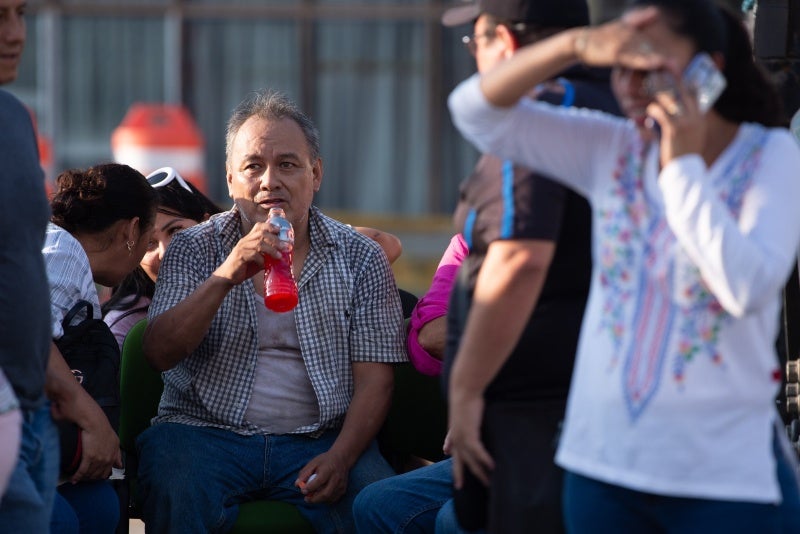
<point x="75" y="310"/>
<point x="129" y="312"/>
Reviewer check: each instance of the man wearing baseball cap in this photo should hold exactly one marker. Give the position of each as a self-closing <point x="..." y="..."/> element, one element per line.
<point x="524" y="400"/>
<point x="544" y="14"/>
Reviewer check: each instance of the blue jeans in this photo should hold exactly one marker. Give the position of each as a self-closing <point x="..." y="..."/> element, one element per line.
<point x="28" y="501"/>
<point x="594" y="506"/>
<point x="85" y="508"/>
<point x="447" y="522"/>
<point x="192" y="479"/>
<point x="409" y="503"/>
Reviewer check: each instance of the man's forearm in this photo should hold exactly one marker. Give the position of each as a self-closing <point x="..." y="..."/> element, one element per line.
<point x="506" y="292"/>
<point x="372" y="397"/>
<point x="173" y="335"/>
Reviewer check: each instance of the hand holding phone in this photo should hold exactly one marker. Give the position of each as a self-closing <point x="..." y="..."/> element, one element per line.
<point x="701" y="77"/>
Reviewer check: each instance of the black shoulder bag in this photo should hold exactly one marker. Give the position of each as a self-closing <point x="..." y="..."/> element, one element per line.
<point x="92" y="353"/>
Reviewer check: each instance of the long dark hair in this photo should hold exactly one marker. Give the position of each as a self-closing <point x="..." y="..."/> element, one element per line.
<point x="749" y="96"/>
<point x="173" y="199"/>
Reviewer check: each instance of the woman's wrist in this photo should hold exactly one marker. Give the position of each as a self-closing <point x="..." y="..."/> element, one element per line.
<point x="580" y="42"/>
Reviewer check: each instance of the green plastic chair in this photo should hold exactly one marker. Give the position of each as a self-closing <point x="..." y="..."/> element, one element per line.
<point x="141" y="388"/>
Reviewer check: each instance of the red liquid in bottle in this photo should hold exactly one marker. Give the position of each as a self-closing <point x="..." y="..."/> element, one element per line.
<point x="280" y="290"/>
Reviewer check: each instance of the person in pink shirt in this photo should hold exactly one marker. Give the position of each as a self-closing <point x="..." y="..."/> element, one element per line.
<point x="426" y="334"/>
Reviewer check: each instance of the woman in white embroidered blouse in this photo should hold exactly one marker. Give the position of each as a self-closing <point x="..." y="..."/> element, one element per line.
<point x="671" y="423"/>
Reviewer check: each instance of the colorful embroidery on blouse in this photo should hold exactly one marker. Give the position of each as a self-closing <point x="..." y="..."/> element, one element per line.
<point x="656" y="304"/>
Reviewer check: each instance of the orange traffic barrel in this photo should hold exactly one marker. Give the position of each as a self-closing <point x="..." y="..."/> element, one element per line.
<point x="152" y="136"/>
<point x="46" y="161"/>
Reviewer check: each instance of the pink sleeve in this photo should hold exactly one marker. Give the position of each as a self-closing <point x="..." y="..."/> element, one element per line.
<point x="434" y="304"/>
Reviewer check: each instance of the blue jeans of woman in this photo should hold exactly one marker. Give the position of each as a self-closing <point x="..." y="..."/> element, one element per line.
<point x="28" y="500"/>
<point x="594" y="506"/>
<point x="192" y="479"/>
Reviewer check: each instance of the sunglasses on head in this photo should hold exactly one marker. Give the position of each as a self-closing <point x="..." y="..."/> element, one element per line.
<point x="165" y="175"/>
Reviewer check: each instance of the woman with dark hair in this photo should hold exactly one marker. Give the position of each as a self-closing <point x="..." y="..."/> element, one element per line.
<point x="180" y="205"/>
<point x="671" y="424"/>
<point x="102" y="219"/>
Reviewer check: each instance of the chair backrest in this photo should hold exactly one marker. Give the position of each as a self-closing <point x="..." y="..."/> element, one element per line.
<point x="417" y="420"/>
<point x="408" y="300"/>
<point x="140" y="388"/>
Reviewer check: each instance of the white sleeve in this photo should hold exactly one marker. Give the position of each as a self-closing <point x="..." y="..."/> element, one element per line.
<point x="566" y="144"/>
<point x="745" y="262"/>
<point x="70" y="278"/>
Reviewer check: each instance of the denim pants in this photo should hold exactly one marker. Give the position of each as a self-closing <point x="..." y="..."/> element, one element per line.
<point x="447" y="521"/>
<point x="28" y="501"/>
<point x="90" y="507"/>
<point x="192" y="478"/>
<point x="407" y="503"/>
<point x="594" y="506"/>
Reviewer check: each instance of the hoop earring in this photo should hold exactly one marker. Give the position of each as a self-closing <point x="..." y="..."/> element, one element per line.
<point x="130" y="245"/>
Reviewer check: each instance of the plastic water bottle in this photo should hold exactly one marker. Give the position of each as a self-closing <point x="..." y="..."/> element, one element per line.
<point x="280" y="289"/>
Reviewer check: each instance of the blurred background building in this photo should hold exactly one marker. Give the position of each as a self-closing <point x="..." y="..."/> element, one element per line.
<point x="373" y="74"/>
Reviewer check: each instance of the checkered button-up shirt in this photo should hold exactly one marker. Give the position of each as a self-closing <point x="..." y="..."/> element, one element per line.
<point x="348" y="311"/>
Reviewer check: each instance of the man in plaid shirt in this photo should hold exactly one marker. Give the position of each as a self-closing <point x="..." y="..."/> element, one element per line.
<point x="259" y="404"/>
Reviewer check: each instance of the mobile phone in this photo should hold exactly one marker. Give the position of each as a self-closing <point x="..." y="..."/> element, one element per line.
<point x="701" y="76"/>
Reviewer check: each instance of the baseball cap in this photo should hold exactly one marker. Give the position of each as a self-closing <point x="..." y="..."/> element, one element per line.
<point x="544" y="13"/>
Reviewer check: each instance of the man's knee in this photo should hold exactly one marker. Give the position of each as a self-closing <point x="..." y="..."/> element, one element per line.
<point x="368" y="501"/>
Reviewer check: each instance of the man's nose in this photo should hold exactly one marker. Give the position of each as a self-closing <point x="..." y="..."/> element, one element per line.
<point x="269" y="179"/>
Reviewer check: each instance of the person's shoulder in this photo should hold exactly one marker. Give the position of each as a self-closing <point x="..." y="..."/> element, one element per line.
<point x="777" y="134"/>
<point x="57" y="238"/>
<point x="219" y="223"/>
<point x="333" y="229"/>
<point x="317" y="216"/>
<point x="14" y="117"/>
<point x="778" y="141"/>
<point x="9" y="102"/>
<point x="63" y="253"/>
<point x="339" y="234"/>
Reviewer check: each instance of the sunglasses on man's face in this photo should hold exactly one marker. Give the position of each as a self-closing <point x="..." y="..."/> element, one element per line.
<point x="163" y="176"/>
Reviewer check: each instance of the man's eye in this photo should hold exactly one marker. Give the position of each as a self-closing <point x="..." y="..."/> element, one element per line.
<point x="152" y="245"/>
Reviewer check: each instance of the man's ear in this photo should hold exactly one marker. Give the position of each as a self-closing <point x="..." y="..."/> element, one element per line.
<point x="317" y="174"/>
<point x="229" y="180"/>
<point x="508" y="39"/>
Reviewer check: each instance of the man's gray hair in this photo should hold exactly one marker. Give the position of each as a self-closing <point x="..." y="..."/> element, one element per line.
<point x="271" y="105"/>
